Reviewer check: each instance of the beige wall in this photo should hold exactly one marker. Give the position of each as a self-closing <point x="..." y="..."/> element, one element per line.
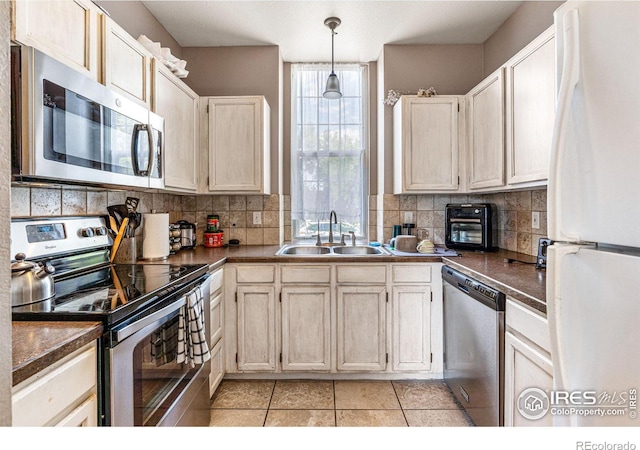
<point x="450" y="69"/>
<point x="527" y="22"/>
<point x="137" y="20"/>
<point x="5" y="184"/>
<point x="240" y="71"/>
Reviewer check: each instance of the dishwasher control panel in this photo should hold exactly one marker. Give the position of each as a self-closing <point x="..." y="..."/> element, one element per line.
<point x="474" y="288"/>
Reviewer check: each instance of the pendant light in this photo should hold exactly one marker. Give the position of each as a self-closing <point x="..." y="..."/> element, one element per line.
<point x="333" y="84"/>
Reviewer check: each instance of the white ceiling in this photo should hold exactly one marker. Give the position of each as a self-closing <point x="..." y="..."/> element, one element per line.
<point x="297" y="26"/>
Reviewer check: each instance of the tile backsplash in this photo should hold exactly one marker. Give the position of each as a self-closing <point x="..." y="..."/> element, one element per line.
<point x="236" y="212"/>
<point x="514" y="216"/>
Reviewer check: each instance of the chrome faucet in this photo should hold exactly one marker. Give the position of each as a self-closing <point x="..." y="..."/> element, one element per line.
<point x="335" y="221"/>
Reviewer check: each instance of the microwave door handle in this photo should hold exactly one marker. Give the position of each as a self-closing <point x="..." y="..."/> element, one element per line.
<point x="151" y="150"/>
<point x="137" y="128"/>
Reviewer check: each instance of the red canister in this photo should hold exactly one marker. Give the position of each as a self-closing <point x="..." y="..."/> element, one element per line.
<point x="213" y="239"/>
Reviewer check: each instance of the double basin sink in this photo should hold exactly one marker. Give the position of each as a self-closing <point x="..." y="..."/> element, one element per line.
<point x="338" y="250"/>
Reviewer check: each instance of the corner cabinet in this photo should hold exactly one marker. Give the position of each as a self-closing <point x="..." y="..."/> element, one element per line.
<point x="67" y="31"/>
<point x="238" y="145"/>
<point x="178" y="105"/>
<point x="530" y="110"/>
<point x="486" y="134"/>
<point x="425" y="144"/>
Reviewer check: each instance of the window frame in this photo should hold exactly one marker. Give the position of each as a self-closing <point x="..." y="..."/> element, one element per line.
<point x="366" y="153"/>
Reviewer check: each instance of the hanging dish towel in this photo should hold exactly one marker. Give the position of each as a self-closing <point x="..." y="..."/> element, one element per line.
<point x="192" y="340"/>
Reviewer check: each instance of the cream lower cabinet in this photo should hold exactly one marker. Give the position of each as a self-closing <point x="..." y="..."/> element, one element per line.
<point x="361" y="328"/>
<point x="216" y="327"/>
<point x="306" y="328"/>
<point x="65" y="30"/>
<point x="365" y="318"/>
<point x="63" y="394"/>
<point x="527" y="363"/>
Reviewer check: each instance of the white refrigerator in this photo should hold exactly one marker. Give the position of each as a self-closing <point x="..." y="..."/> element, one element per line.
<point x="593" y="268"/>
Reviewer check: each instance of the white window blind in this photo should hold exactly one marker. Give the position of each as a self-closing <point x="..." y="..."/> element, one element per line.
<point x="328" y="150"/>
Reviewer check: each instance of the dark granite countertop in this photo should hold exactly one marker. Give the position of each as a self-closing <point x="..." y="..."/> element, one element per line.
<point x="523" y="282"/>
<point x="37" y="345"/>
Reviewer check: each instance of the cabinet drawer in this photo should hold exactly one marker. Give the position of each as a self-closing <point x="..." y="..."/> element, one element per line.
<point x="306" y="274"/>
<point x="255" y="274"/>
<point x="532" y="325"/>
<point x="216" y="280"/>
<point x="215" y="319"/>
<point x="411" y="274"/>
<point x="55" y="391"/>
<point x="364" y="273"/>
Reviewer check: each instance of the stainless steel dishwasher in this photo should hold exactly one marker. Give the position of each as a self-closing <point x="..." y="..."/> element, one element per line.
<point x="474" y="346"/>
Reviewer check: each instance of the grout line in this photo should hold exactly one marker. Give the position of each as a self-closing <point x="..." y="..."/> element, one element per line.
<point x="399" y="403"/>
<point x="335" y="412"/>
<point x="273" y="389"/>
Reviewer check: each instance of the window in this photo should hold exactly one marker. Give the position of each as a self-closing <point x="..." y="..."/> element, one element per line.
<point x="329" y="150"/>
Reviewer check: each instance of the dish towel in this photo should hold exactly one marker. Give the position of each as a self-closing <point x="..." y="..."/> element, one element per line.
<point x="164" y="344"/>
<point x="192" y="339"/>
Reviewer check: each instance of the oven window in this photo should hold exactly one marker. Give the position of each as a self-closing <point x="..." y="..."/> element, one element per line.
<point x="158" y="378"/>
<point x="468" y="233"/>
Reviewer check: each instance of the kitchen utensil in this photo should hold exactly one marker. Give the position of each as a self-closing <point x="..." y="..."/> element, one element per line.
<point x="113" y="225"/>
<point x="132" y="204"/>
<point x="30" y="282"/>
<point x="118" y="240"/>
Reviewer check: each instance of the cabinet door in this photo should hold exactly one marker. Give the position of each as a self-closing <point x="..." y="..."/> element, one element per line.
<point x="525" y="367"/>
<point x="85" y="415"/>
<point x="256" y="328"/>
<point x="530" y="110"/>
<point x="217" y="368"/>
<point x="126" y="64"/>
<point x="411" y="328"/>
<point x="65" y="30"/>
<point x="178" y="105"/>
<point x="306" y="328"/>
<point x="425" y="144"/>
<point x="361" y="328"/>
<point x="486" y="132"/>
<point x="239" y="145"/>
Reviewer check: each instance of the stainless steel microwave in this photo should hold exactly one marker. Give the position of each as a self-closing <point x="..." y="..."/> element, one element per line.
<point x="69" y="128"/>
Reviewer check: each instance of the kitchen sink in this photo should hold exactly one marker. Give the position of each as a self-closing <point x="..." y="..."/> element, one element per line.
<point x="339" y="250"/>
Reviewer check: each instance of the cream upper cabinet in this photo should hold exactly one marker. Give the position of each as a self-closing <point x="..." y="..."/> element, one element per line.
<point x="425" y="144"/>
<point x="178" y="105"/>
<point x="66" y="30"/>
<point x="486" y="137"/>
<point x="530" y="110"/>
<point x="126" y="64"/>
<point x="527" y="364"/>
<point x="239" y="145"/>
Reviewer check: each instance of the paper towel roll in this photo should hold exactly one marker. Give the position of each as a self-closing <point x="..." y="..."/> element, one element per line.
<point x="155" y="236"/>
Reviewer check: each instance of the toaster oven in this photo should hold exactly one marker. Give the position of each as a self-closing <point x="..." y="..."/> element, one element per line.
<point x="471" y="226"/>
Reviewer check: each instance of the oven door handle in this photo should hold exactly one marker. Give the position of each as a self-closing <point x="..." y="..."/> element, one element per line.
<point x="156" y="317"/>
<point x="464" y="220"/>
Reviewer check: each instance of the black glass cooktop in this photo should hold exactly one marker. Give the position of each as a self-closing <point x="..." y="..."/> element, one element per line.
<point x="112" y="293"/>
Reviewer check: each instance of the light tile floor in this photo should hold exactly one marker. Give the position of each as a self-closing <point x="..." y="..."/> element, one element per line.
<point x="289" y="403"/>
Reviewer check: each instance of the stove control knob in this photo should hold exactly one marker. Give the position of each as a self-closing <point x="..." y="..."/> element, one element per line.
<point x="100" y="231"/>
<point x="86" y="232"/>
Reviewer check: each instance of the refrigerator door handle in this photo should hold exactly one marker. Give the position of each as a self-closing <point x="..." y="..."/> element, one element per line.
<point x="555" y="315"/>
<point x="569" y="79"/>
